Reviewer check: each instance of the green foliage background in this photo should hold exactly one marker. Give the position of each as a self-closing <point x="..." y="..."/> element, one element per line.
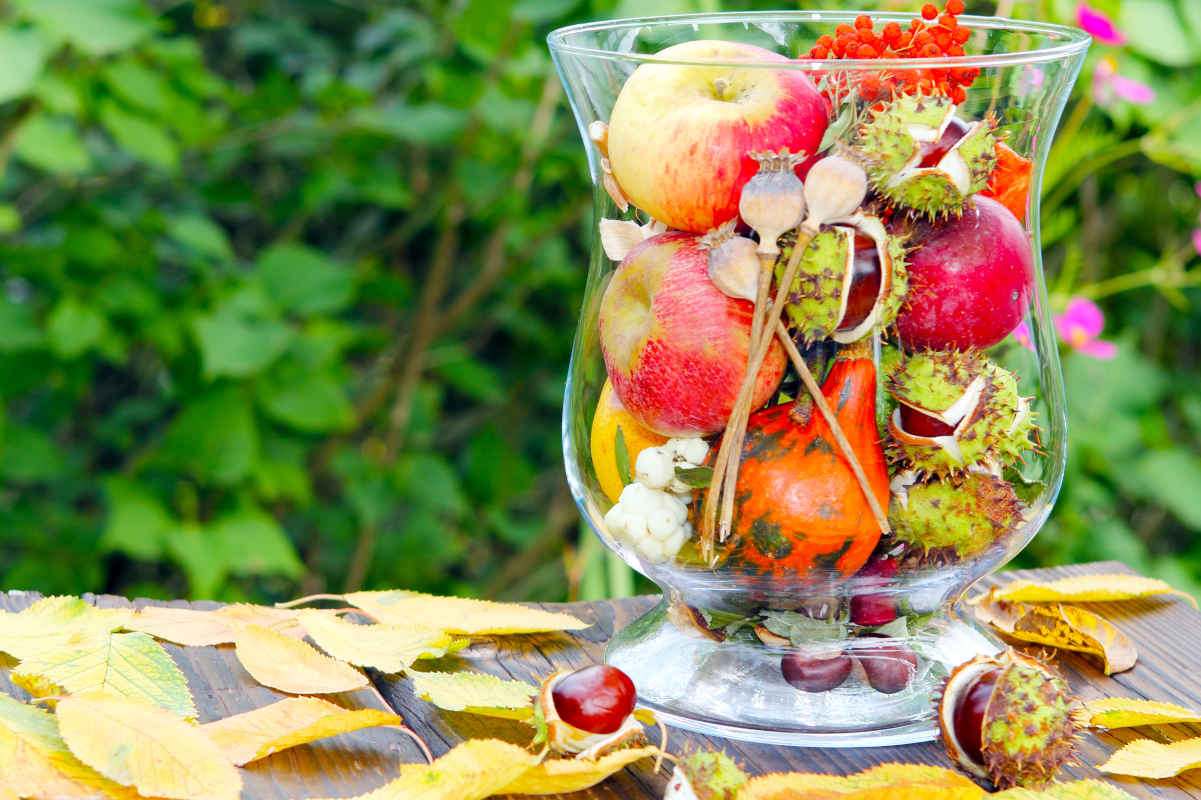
<point x="288" y="289"/>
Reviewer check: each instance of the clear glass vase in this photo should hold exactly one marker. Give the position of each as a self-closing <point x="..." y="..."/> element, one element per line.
<point x="866" y="228"/>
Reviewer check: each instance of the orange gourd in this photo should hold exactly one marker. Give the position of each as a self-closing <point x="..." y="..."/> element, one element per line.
<point x="799" y="511"/>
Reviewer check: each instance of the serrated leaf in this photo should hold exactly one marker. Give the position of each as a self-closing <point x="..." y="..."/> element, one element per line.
<point x="183" y="626"/>
<point x="1063" y="626"/>
<point x="460" y="614"/>
<point x="1129" y="712"/>
<point x="622" y="454"/>
<point x="562" y="775"/>
<point x="51" y="622"/>
<point x="1084" y="589"/>
<point x="1091" y="789"/>
<point x="476" y="692"/>
<point x="140" y="745"/>
<point x="35" y="762"/>
<point x="280" y="620"/>
<point x="129" y="665"/>
<point x="695" y="477"/>
<point x="472" y="770"/>
<point x="292" y="666"/>
<point x="388" y="648"/>
<point x="1144" y="758"/>
<point x="886" y="781"/>
<point x="290" y="722"/>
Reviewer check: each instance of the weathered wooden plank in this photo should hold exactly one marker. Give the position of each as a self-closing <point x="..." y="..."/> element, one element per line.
<point x="1167" y="632"/>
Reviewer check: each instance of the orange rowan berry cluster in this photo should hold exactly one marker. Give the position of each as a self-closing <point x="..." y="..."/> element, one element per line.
<point x="932" y="35"/>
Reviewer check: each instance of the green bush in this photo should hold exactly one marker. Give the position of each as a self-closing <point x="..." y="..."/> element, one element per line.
<point x="289" y="290"/>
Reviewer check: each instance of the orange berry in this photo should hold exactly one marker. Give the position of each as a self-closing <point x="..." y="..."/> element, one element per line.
<point x="954" y="50"/>
<point x="891" y="32"/>
<point x="915" y="25"/>
<point x="930" y="51"/>
<point x="863" y="22"/>
<point x="948" y="21"/>
<point x="929" y="11"/>
<point x="954" y="6"/>
<point x="958" y="95"/>
<point x="866" y="51"/>
<point x="825" y="40"/>
<point x="904" y="41"/>
<point x="961" y="34"/>
<point x="818" y="52"/>
<point x="942" y="39"/>
<point x="843" y="29"/>
<point x="922" y="38"/>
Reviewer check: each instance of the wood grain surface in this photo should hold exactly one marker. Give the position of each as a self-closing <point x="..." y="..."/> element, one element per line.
<point x="1166" y="631"/>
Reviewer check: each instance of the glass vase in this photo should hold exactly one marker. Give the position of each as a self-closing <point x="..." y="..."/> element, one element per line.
<point x="861" y="235"/>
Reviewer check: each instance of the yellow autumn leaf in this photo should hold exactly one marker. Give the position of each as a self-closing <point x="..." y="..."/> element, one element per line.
<point x="184" y="626"/>
<point x="1062" y="626"/>
<point x="37" y="686"/>
<point x="35" y="762"/>
<point x="472" y="770"/>
<point x="1085" y="790"/>
<point x="137" y="744"/>
<point x="388" y="648"/>
<point x="52" y="622"/>
<point x="293" y="721"/>
<point x="886" y="781"/>
<point x="121" y="664"/>
<point x="280" y="620"/>
<point x="562" y="775"/>
<point x="290" y="665"/>
<point x="1128" y="712"/>
<point x="459" y="614"/>
<point x="1084" y="589"/>
<point x="1144" y="758"/>
<point x="476" y="692"/>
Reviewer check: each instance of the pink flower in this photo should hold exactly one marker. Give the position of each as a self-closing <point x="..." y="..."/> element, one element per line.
<point x="1197" y="240"/>
<point x="1080" y="325"/>
<point x="1098" y="25"/>
<point x="1109" y="86"/>
<point x="1022" y="334"/>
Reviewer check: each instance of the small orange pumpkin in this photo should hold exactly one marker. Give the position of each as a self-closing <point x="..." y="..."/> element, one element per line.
<point x="799" y="511"/>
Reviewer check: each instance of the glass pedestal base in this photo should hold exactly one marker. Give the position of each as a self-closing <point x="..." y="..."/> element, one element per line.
<point x="736" y="689"/>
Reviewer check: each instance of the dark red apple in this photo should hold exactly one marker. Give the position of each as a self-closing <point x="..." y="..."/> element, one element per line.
<point x="970" y="279"/>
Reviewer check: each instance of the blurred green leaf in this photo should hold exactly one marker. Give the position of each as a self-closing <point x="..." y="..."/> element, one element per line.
<point x="75" y="327"/>
<point x="308" y="401"/>
<point x="1154" y="29"/>
<point x="27" y="455"/>
<point x="1171" y="478"/>
<point x="138" y="85"/>
<point x="18" y="329"/>
<point x="214" y="436"/>
<point x="304" y="280"/>
<point x="96" y="27"/>
<point x="137" y="522"/>
<point x="427" y="124"/>
<point x="200" y="234"/>
<point x="195" y="549"/>
<point x="10" y="219"/>
<point x="22" y="55"/>
<point x="236" y="344"/>
<point x="140" y="136"/>
<point x="251" y="542"/>
<point x="52" y="144"/>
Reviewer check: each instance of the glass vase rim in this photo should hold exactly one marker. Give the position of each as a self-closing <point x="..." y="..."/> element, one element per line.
<point x="1065" y="42"/>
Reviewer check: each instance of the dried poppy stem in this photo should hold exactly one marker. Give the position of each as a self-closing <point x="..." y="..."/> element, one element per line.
<point x="843" y="443"/>
<point x="729" y="454"/>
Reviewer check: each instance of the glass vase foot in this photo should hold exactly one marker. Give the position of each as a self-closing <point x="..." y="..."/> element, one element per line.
<point x="737" y="690"/>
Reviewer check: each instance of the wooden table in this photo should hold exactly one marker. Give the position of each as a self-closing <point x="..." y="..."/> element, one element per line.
<point x="1167" y="632"/>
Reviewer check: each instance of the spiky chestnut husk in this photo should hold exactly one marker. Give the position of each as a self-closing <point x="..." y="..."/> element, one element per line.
<point x="941" y="520"/>
<point x="965" y="390"/>
<point x="891" y="146"/>
<point x="1029" y="726"/>
<point x="563" y="737"/>
<point x="819" y="295"/>
<point x="705" y="775"/>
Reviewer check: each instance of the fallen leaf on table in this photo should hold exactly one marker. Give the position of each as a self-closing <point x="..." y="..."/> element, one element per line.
<point x="562" y="775"/>
<point x="887" y="782"/>
<point x="184" y="626"/>
<point x="51" y="622"/>
<point x="280" y="620"/>
<point x="1144" y="758"/>
<point x="388" y="648"/>
<point x="290" y="665"/>
<point x="1082" y="589"/>
<point x="140" y="745"/>
<point x="1090" y="789"/>
<point x="473" y="770"/>
<point x="476" y="692"/>
<point x="35" y="762"/>
<point x="120" y="664"/>
<point x="459" y="614"/>
<point x="1062" y="626"/>
<point x="293" y="721"/>
<point x="1126" y="712"/>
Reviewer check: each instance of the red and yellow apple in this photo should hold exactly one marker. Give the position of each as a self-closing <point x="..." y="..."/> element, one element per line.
<point x="674" y="345"/>
<point x="680" y="135"/>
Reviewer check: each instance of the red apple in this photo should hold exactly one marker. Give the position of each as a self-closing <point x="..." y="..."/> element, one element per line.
<point x="675" y="346"/>
<point x="680" y="134"/>
<point x="971" y="279"/>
